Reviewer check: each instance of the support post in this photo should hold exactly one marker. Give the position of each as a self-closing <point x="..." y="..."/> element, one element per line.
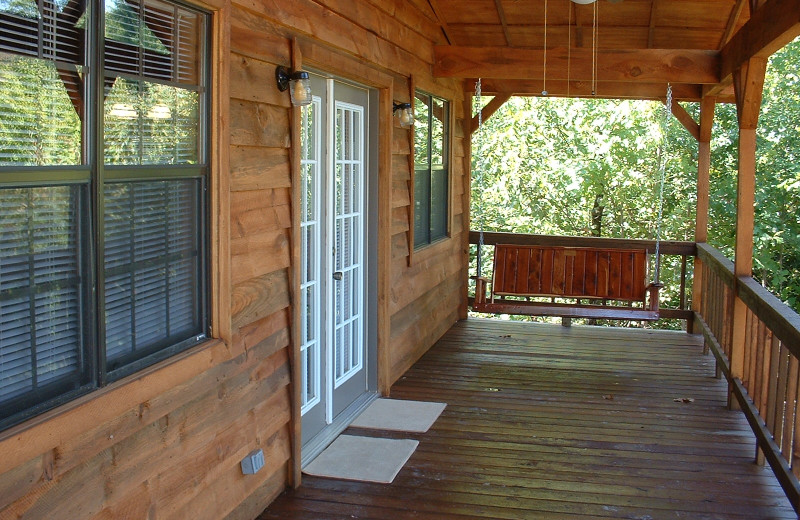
<point x="748" y="82"/>
<point x="707" y="107"/>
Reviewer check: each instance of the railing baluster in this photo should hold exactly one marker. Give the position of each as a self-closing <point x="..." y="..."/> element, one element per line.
<point x="790" y="406"/>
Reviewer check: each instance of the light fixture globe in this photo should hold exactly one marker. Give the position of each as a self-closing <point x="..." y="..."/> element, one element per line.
<point x="584" y="2"/>
<point x="404" y="114"/>
<point x="297" y="83"/>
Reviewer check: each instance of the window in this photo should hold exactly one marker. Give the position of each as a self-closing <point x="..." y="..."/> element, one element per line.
<point x="102" y="210"/>
<point x="431" y="132"/>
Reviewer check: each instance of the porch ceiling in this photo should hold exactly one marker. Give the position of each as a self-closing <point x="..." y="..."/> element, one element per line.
<point x="642" y="44"/>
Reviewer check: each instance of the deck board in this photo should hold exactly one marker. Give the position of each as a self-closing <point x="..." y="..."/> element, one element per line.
<point x="547" y="422"/>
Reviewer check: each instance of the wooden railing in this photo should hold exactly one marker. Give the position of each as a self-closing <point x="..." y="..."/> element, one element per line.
<point x="685" y="250"/>
<point x="767" y="385"/>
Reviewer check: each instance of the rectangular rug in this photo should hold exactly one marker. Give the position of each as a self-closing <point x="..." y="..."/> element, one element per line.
<point x="367" y="459"/>
<point x="399" y="415"/>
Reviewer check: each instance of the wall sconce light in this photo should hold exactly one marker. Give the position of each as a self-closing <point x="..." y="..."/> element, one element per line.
<point x="406" y="116"/>
<point x="296" y="83"/>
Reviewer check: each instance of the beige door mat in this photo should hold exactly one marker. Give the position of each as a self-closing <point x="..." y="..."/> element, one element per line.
<point x="366" y="459"/>
<point x="399" y="415"/>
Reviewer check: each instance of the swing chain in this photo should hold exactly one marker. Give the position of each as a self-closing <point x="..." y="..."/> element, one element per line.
<point x="662" y="173"/>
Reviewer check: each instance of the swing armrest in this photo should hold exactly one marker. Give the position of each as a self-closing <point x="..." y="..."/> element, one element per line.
<point x="480" y="289"/>
<point x="653" y="290"/>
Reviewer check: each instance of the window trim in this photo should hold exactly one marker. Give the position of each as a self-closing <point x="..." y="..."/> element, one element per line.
<point x="91" y="175"/>
<point x="448" y="156"/>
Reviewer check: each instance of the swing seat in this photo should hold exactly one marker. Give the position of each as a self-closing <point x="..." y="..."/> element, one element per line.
<point x="579" y="273"/>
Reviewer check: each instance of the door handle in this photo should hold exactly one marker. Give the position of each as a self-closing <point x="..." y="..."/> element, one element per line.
<point x="338" y="275"/>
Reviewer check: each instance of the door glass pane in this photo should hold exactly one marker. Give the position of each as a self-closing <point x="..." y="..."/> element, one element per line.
<point x="310" y="232"/>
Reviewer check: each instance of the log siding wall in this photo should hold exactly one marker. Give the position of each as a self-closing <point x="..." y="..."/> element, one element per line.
<point x="167" y="442"/>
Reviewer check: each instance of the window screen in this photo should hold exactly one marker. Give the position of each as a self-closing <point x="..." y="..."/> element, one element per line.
<point x="430" y="169"/>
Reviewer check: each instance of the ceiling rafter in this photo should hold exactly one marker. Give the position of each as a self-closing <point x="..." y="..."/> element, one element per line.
<point x="651" y="31"/>
<point x="578" y="24"/>
<point x="733" y="20"/>
<point x="442" y="23"/>
<point x="502" y="15"/>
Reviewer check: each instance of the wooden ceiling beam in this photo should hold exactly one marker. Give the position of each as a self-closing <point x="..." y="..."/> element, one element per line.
<point x="502" y="15"/>
<point x="651" y="32"/>
<point x="578" y="25"/>
<point x="771" y="27"/>
<point x="488" y="111"/>
<point x="634" y="65"/>
<point x="583" y="89"/>
<point x="439" y="18"/>
<point x="733" y="20"/>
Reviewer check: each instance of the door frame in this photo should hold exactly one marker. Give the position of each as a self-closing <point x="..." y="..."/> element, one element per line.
<point x="313" y="55"/>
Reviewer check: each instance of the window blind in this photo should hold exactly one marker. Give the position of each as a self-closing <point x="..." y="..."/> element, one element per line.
<point x="40" y="294"/>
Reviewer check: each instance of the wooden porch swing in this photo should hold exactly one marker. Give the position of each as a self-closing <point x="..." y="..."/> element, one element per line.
<point x="590" y="277"/>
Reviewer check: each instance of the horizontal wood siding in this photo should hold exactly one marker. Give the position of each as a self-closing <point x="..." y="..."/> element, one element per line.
<point x="167" y="442"/>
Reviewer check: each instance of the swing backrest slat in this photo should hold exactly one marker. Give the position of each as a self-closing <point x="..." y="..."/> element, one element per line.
<point x="570" y="272"/>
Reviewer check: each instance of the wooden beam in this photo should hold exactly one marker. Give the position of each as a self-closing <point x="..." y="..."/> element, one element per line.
<point x="502" y="15"/>
<point x="295" y="475"/>
<point x="707" y="107"/>
<point x="733" y="20"/>
<point x="489" y="110"/>
<point x="439" y="18"/>
<point x="748" y="85"/>
<point x="412" y="94"/>
<point x="579" y="88"/>
<point x="578" y="25"/>
<point x="748" y="82"/>
<point x="686" y="120"/>
<point x="651" y="32"/>
<point x="632" y="65"/>
<point x="769" y="29"/>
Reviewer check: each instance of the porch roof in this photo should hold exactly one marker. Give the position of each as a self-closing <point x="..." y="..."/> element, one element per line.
<point x="642" y="44"/>
<point x="548" y="422"/>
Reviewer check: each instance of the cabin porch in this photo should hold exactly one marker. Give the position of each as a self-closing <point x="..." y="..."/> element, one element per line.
<point x="544" y="421"/>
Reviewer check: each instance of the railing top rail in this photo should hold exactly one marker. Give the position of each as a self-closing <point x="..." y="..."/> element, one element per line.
<point x="717" y="262"/>
<point x="668" y="247"/>
<point x="778" y="317"/>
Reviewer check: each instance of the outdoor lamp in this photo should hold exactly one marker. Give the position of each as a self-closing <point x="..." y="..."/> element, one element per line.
<point x="405" y="115"/>
<point x="297" y="83"/>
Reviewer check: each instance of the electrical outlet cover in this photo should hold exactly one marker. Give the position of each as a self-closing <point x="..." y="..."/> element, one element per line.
<point x="253" y="462"/>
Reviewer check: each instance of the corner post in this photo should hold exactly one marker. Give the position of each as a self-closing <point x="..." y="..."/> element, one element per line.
<point x="707" y="107"/>
<point x="748" y="82"/>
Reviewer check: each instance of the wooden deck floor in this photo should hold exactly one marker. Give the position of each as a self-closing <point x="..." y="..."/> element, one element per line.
<point x="547" y="422"/>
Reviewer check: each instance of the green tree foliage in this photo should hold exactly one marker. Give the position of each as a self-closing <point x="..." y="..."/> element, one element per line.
<point x="591" y="167"/>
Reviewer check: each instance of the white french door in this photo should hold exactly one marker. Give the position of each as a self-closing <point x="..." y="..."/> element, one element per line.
<point x="333" y="229"/>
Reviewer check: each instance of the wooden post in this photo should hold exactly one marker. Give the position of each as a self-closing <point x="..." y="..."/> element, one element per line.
<point x="707" y="106"/>
<point x="296" y="325"/>
<point x="412" y="92"/>
<point x="466" y="198"/>
<point x="748" y="84"/>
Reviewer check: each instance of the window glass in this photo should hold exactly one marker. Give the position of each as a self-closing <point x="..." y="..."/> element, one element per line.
<point x="430" y="169"/>
<point x="41" y="83"/>
<point x="58" y="335"/>
<point x="40" y="294"/>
